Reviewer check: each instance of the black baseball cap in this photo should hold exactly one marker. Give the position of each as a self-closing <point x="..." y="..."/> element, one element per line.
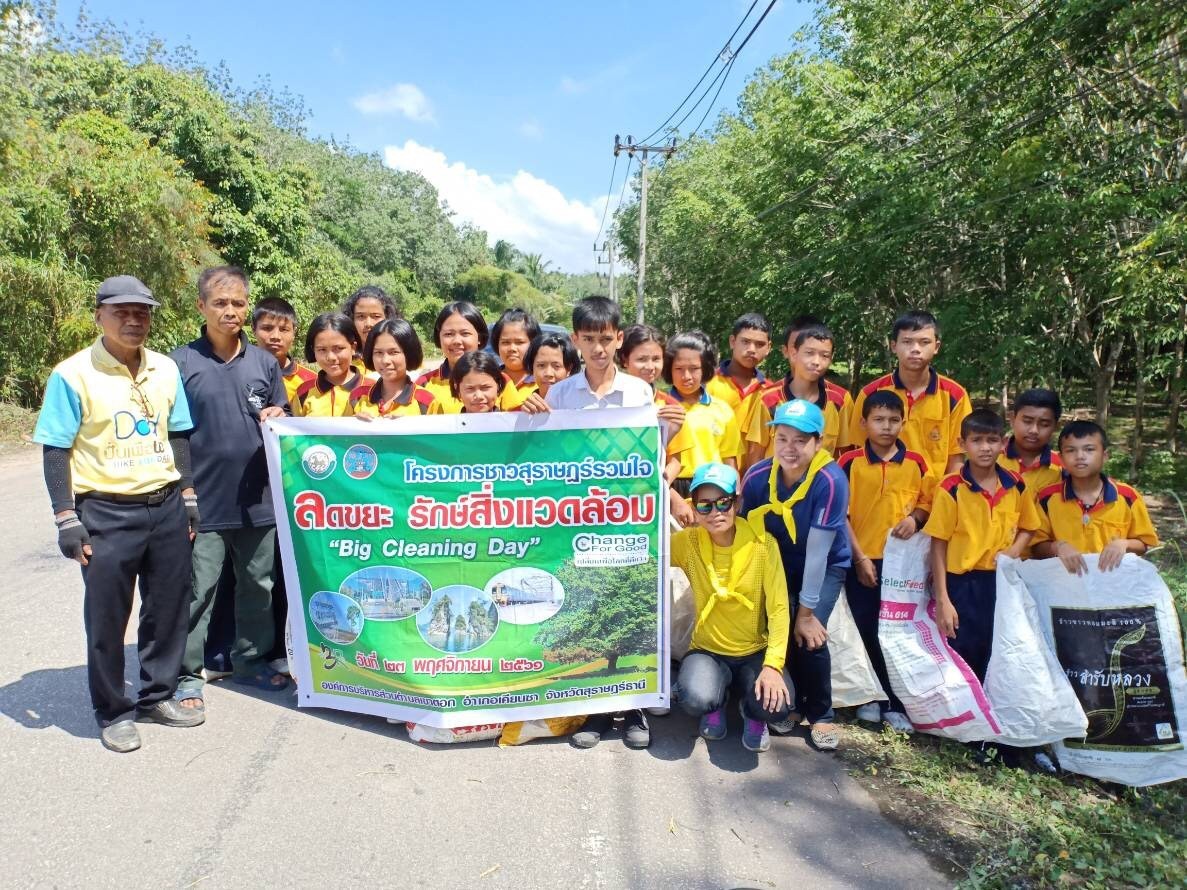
<point x="124" y="289"/>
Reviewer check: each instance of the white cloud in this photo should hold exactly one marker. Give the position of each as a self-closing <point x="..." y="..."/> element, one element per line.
<point x="524" y="209"/>
<point x="401" y="98"/>
<point x="573" y="87"/>
<point x="531" y="129"/>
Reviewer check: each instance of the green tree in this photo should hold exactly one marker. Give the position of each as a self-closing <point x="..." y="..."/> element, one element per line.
<point x="608" y="613"/>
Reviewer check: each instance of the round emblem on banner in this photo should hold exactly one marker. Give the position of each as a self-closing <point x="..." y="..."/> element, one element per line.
<point x="318" y="461"/>
<point x="359" y="462"/>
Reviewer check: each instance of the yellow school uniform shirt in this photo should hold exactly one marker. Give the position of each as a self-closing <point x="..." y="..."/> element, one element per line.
<point x="932" y="424"/>
<point x="1047" y="468"/>
<point x="1120" y="513"/>
<point x="977" y="525"/>
<point x="741" y="399"/>
<point x="712" y="433"/>
<point x="743" y="610"/>
<point x="883" y="492"/>
<point x="116" y="426"/>
<point x="412" y="401"/>
<point x="834" y="403"/>
<point x="681" y="440"/>
<point x="321" y="398"/>
<point x="437" y="382"/>
<point x="294" y="376"/>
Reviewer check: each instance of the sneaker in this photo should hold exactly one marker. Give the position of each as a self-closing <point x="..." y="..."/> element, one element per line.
<point x="1045" y="764"/>
<point x="122" y="736"/>
<point x="871" y="712"/>
<point x="636" y="733"/>
<point x="755" y="736"/>
<point x="786" y="726"/>
<point x="898" y="721"/>
<point x="713" y="725"/>
<point x="658" y="712"/>
<point x="170" y="713"/>
<point x="218" y="667"/>
<point x="280" y="665"/>
<point x="592" y="730"/>
<point x="825" y="739"/>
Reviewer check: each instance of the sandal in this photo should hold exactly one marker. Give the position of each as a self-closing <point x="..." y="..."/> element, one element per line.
<point x="825" y="739"/>
<point x="184" y="695"/>
<point x="263" y="679"/>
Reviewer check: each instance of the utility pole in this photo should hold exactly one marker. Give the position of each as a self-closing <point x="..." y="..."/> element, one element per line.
<point x="608" y="248"/>
<point x="630" y="148"/>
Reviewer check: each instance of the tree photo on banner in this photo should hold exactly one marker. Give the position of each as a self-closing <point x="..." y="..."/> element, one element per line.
<point x="474" y="569"/>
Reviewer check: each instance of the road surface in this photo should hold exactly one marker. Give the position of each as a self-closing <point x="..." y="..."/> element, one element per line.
<point x="265" y="795"/>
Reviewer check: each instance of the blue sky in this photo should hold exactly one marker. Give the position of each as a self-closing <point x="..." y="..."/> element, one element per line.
<point x="509" y="108"/>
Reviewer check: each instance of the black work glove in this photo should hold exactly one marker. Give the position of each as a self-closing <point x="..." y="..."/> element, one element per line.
<point x="72" y="535"/>
<point x="191" y="511"/>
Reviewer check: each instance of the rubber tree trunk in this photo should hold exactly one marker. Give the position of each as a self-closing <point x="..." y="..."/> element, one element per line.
<point x="1135" y="454"/>
<point x="1175" y="395"/>
<point x="1106" y="375"/>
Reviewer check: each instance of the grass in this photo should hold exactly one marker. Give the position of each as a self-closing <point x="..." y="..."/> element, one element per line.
<point x="994" y="827"/>
<point x="16" y="423"/>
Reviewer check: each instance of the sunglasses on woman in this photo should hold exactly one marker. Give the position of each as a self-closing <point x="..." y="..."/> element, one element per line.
<point x="722" y="504"/>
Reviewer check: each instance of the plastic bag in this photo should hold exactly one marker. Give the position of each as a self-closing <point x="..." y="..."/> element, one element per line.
<point x="683" y="611"/>
<point x="437" y="735"/>
<point x="1117" y="639"/>
<point x="939" y="691"/>
<point x="1032" y="699"/>
<point x="550" y="727"/>
<point x="853" y="679"/>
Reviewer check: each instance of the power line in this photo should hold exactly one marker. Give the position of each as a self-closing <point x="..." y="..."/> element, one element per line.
<point x="609" y="192"/>
<point x="717" y="58"/>
<point x="713" y="101"/>
<point x="1040" y="7"/>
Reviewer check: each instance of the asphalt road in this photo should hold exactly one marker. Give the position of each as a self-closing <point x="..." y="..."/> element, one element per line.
<point x="265" y="795"/>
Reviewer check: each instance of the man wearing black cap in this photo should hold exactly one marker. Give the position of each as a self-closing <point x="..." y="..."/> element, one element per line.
<point x="113" y="428"/>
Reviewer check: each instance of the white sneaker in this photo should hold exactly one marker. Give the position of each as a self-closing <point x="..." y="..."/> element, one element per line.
<point x="786" y="727"/>
<point x="280" y="665"/>
<point x="871" y="712"/>
<point x="658" y="712"/>
<point x="898" y="722"/>
<point x="1045" y="764"/>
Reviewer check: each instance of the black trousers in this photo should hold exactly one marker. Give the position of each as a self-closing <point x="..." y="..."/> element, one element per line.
<point x="129" y="542"/>
<point x="866" y="603"/>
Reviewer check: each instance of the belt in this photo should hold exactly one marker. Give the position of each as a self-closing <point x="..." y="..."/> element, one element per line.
<point x="150" y="498"/>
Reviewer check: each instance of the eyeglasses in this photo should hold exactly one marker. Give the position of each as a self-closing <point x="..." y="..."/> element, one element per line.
<point x="722" y="504"/>
<point x="141" y="400"/>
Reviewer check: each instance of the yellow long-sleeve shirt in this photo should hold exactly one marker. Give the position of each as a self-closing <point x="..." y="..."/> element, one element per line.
<point x="746" y="611"/>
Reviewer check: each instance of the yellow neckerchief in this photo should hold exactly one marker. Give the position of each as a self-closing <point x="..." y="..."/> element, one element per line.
<point x="821" y="458"/>
<point x="743" y="548"/>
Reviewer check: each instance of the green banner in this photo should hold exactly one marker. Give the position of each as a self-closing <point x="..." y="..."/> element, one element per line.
<point x="459" y="570"/>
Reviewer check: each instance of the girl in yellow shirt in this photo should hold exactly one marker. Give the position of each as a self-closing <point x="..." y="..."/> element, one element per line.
<point x="332" y="341"/>
<point x="741" y="631"/>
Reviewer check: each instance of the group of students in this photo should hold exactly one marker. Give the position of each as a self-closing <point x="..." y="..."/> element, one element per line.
<point x="785" y="490"/>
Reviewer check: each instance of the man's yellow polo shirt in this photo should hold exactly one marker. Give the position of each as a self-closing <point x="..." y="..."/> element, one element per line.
<point x="977" y="525"/>
<point x="932" y="424"/>
<point x="834" y="403"/>
<point x="710" y="433"/>
<point x="745" y="611"/>
<point x="437" y="382"/>
<point x="116" y="427"/>
<point x="1120" y="513"/>
<point x="321" y="398"/>
<point x="1047" y="468"/>
<point x="882" y="493"/>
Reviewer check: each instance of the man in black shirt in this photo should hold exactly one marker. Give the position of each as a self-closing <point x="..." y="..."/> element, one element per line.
<point x="232" y="387"/>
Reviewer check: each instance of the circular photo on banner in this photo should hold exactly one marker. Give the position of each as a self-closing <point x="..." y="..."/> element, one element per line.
<point x="387" y="593"/>
<point x="338" y="618"/>
<point x="458" y="618"/>
<point x="525" y="595"/>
